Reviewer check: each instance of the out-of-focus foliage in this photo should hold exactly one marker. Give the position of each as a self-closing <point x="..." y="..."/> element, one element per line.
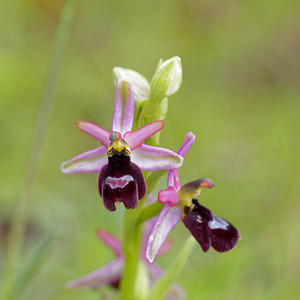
<point x="240" y="96"/>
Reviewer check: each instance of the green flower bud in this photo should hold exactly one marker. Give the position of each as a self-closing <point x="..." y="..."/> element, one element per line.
<point x="165" y="82"/>
<point x="168" y="77"/>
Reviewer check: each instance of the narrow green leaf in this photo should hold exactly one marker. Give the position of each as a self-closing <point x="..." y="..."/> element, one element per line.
<point x="153" y="179"/>
<point x="31" y="267"/>
<point x="163" y="284"/>
<point x="150" y="211"/>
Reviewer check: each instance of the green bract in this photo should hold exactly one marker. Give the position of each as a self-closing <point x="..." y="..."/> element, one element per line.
<point x="165" y="82"/>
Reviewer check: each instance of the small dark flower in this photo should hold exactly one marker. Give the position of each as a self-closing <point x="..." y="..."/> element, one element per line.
<point x="208" y="229"/>
<point x="181" y="204"/>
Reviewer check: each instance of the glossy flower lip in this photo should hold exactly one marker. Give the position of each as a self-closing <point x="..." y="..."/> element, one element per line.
<point x="181" y="204"/>
<point x="122" y="154"/>
<point x="208" y="229"/>
<point x="121" y="180"/>
<point x="111" y="273"/>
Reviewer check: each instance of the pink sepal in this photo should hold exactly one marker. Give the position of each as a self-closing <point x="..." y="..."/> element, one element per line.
<point x="168" y="196"/>
<point x="110" y="241"/>
<point x="124" y="108"/>
<point x="95" y="131"/>
<point x="136" y="138"/>
<point x="164" y="223"/>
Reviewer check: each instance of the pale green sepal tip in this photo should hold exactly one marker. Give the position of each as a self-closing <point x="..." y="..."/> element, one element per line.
<point x="140" y="85"/>
<point x="159" y="63"/>
<point x="124" y="90"/>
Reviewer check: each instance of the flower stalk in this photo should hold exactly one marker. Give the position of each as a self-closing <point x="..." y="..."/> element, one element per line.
<point x="132" y="238"/>
<point x="131" y="248"/>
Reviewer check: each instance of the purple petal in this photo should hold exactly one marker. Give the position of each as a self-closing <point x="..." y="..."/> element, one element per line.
<point x="175" y="292"/>
<point x="90" y="161"/>
<point x="168" y="196"/>
<point x="151" y="158"/>
<point x="187" y="144"/>
<point x="136" y="138"/>
<point x="173" y="179"/>
<point x="139" y="83"/>
<point x="110" y="241"/>
<point x="95" y="131"/>
<point x="165" y="222"/>
<point x="124" y="108"/>
<point x="108" y="274"/>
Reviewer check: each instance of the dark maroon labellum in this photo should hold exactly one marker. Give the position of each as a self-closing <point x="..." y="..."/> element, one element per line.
<point x="121" y="181"/>
<point x="208" y="229"/>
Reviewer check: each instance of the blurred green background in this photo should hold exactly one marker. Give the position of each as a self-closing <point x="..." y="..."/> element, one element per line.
<point x="240" y="96"/>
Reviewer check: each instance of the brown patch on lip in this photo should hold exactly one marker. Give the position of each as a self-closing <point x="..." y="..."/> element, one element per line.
<point x="210" y="230"/>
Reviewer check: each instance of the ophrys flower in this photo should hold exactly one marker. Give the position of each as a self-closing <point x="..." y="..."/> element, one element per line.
<point x="122" y="154"/>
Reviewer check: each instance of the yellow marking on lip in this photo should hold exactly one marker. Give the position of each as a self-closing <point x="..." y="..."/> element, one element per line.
<point x="118" y="145"/>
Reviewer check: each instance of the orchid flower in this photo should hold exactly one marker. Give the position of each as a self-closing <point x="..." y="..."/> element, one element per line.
<point x="181" y="204"/>
<point x="122" y="155"/>
<point x="111" y="273"/>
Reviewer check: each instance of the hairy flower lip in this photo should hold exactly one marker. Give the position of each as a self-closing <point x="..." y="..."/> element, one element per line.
<point x="128" y="192"/>
<point x="210" y="230"/>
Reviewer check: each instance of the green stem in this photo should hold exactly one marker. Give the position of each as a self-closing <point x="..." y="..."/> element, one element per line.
<point x="16" y="238"/>
<point x="131" y="250"/>
<point x="132" y="239"/>
<point x="150" y="212"/>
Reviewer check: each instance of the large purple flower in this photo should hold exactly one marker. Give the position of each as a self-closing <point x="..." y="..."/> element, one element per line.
<point x="111" y="273"/>
<point x="122" y="154"/>
<point x="181" y="204"/>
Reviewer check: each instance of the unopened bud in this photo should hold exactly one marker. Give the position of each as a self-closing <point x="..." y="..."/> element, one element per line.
<point x="165" y="82"/>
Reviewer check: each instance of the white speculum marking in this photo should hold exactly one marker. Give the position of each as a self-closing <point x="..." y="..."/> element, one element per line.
<point x="218" y="223"/>
<point x="118" y="182"/>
